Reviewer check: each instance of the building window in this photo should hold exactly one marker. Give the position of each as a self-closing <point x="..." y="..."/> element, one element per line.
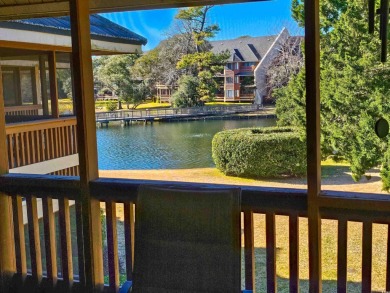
<point x="237" y="93"/>
<point x="249" y="64"/>
<point x="230" y="94"/>
<point x="27" y="86"/>
<point x="19" y="86"/>
<point x="230" y="66"/>
<point x="229" y="79"/>
<point x="237" y="79"/>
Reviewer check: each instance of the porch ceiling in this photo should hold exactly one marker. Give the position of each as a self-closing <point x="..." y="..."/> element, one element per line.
<point x="18" y="9"/>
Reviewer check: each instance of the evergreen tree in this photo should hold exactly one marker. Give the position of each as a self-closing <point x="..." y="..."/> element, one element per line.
<point x="355" y="87"/>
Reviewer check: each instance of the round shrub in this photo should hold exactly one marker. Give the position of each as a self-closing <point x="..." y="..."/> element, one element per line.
<point x="260" y="152"/>
<point x="111" y="106"/>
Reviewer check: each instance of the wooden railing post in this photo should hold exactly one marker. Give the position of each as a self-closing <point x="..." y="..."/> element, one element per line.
<point x="249" y="251"/>
<point x="312" y="65"/>
<point x="7" y="247"/>
<point x="91" y="260"/>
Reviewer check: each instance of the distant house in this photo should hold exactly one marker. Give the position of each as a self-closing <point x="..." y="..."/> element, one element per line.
<point x="245" y="75"/>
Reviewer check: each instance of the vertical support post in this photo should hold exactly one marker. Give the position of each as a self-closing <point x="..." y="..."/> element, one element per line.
<point x="42" y="72"/>
<point x="249" y="251"/>
<point x="53" y="84"/>
<point x="7" y="247"/>
<point x="312" y="50"/>
<point x="86" y="138"/>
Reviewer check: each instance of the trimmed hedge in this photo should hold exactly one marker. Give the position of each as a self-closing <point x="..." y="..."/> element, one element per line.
<point x="260" y="152"/>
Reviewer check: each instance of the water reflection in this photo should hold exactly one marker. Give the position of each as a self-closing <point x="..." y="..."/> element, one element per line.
<point x="176" y="145"/>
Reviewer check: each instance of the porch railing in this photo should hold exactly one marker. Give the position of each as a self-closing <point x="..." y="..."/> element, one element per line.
<point x="23" y="110"/>
<point x="175" y="112"/>
<point x="32" y="143"/>
<point x="341" y="207"/>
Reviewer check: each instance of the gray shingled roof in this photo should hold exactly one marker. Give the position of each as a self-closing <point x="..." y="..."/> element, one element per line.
<point x="101" y="28"/>
<point x="245" y="49"/>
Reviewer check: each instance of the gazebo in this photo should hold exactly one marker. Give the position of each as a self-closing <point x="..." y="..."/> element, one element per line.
<point x="88" y="190"/>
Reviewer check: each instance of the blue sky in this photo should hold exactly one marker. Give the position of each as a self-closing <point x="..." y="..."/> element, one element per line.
<point x="235" y="20"/>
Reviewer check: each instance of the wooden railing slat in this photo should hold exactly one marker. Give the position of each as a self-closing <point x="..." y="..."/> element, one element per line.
<point x="26" y="142"/>
<point x="128" y="209"/>
<point x="22" y="148"/>
<point x="342" y="233"/>
<point x="80" y="241"/>
<point x="271" y="252"/>
<point x="33" y="149"/>
<point x="66" y="242"/>
<point x="249" y="251"/>
<point x="60" y="141"/>
<point x="37" y="137"/>
<point x="56" y="142"/>
<point x="294" y="253"/>
<point x="17" y="149"/>
<point x="49" y="144"/>
<point x="20" y="243"/>
<point x="11" y="149"/>
<point x="50" y="240"/>
<point x="367" y="257"/>
<point x="112" y="246"/>
<point x="35" y="247"/>
<point x="67" y="141"/>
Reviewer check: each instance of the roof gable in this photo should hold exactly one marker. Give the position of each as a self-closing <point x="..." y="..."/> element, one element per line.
<point x="101" y="28"/>
<point x="245" y="49"/>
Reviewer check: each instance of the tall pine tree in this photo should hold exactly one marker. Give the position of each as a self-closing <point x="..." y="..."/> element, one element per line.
<point x="355" y="88"/>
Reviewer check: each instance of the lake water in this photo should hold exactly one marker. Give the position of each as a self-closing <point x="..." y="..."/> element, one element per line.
<point x="174" y="145"/>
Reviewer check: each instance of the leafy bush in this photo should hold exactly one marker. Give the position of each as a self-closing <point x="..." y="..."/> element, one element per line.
<point x="385" y="171"/>
<point x="187" y="93"/>
<point x="260" y="152"/>
<point x="111" y="106"/>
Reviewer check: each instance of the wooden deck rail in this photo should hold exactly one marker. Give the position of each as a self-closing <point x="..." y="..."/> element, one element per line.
<point x="175" y="112"/>
<point x="39" y="141"/>
<point x="23" y="110"/>
<point x="255" y="200"/>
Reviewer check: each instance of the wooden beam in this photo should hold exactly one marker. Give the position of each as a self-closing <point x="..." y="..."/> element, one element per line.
<point x="58" y="8"/>
<point x="33" y="46"/>
<point x="7" y="248"/>
<point x="53" y="84"/>
<point x="313" y="129"/>
<point x="86" y="138"/>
